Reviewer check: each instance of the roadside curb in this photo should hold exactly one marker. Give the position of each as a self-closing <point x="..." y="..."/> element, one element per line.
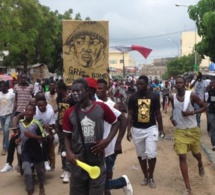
<point x="210" y="154"/>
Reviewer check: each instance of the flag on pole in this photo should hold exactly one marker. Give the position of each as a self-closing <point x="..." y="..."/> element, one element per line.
<point x="126" y="48"/>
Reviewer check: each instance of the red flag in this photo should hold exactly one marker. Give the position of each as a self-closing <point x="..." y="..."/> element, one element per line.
<point x="126" y="48"/>
<point x="143" y="50"/>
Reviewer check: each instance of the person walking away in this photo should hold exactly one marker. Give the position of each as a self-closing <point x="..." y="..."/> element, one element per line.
<point x="6" y="107"/>
<point x="187" y="133"/>
<point x="143" y="112"/>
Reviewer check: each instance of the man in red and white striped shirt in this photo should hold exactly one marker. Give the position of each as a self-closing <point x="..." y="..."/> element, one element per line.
<point x="24" y="92"/>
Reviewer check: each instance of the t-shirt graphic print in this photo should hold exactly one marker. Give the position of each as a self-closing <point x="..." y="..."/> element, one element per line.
<point x="144" y="110"/>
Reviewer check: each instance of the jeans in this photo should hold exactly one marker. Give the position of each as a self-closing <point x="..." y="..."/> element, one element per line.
<point x="112" y="183"/>
<point x="198" y="116"/>
<point x="5" y="123"/>
<point x="211" y="119"/>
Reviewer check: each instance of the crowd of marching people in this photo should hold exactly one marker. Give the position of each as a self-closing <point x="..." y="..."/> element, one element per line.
<point x="88" y="121"/>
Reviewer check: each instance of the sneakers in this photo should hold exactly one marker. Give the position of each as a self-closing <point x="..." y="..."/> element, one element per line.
<point x="128" y="189"/>
<point x="66" y="177"/>
<point x="201" y="171"/>
<point x="62" y="174"/>
<point x="144" y="182"/>
<point x="152" y="183"/>
<point x="47" y="166"/>
<point x="7" y="168"/>
<point x="187" y="192"/>
<point x="3" y="152"/>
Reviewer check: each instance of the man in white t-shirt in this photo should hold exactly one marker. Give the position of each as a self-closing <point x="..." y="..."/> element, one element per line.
<point x="6" y="108"/>
<point x="199" y="86"/>
<point x="46" y="113"/>
<point x="114" y="148"/>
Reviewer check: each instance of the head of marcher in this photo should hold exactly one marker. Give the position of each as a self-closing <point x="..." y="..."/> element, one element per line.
<point x="142" y="84"/>
<point x="41" y="103"/>
<point x="80" y="91"/>
<point x="30" y="111"/>
<point x="52" y="87"/>
<point x="93" y="85"/>
<point x="180" y="84"/>
<point x="199" y="76"/>
<point x="23" y="80"/>
<point x="102" y="89"/>
<point x="4" y="87"/>
<point x="212" y="84"/>
<point x="61" y="88"/>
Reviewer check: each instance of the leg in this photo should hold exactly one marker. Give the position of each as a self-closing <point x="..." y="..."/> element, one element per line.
<point x="152" y="163"/>
<point x="41" y="176"/>
<point x="143" y="165"/>
<point x="109" y="161"/>
<point x="29" y="186"/>
<point x="184" y="170"/>
<point x="11" y="150"/>
<point x="211" y="118"/>
<point x="7" y="124"/>
<point x="196" y="107"/>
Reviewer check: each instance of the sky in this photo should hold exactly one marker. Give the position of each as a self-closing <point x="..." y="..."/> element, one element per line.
<point x="155" y="24"/>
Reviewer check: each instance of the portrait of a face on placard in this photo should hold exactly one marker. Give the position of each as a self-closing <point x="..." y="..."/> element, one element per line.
<point x="85" y="49"/>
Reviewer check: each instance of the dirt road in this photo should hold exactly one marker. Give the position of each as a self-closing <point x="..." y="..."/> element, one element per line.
<point x="167" y="174"/>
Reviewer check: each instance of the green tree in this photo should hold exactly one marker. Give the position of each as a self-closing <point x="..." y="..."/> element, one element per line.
<point x="179" y="66"/>
<point x="31" y="33"/>
<point x="203" y="13"/>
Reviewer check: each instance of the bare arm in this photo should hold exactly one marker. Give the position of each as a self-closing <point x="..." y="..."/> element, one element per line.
<point x="192" y="85"/>
<point x="122" y="129"/>
<point x="159" y="120"/>
<point x="129" y="124"/>
<point x="69" y="154"/>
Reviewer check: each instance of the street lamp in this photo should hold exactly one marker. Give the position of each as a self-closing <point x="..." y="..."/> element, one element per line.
<point x="195" y="56"/>
<point x="170" y="40"/>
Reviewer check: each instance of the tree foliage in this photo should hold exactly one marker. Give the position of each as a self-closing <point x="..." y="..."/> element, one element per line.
<point x="31" y="33"/>
<point x="204" y="16"/>
<point x="179" y="66"/>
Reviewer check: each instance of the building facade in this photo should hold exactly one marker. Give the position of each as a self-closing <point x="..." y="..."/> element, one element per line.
<point x="119" y="61"/>
<point x="188" y="40"/>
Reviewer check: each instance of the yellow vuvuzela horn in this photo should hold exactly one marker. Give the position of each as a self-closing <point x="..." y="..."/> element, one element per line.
<point x="94" y="171"/>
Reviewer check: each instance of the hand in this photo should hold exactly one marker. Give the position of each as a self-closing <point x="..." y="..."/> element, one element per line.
<point x="186" y="113"/>
<point x="17" y="141"/>
<point x="99" y="147"/>
<point x="129" y="135"/>
<point x="71" y="158"/>
<point x="162" y="134"/>
<point x="173" y="121"/>
<point x="118" y="148"/>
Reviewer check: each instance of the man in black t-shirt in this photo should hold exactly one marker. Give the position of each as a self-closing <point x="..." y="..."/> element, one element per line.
<point x="211" y="112"/>
<point x="143" y="112"/>
<point x="64" y="101"/>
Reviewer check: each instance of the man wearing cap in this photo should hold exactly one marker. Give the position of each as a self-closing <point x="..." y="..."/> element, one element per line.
<point x="114" y="147"/>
